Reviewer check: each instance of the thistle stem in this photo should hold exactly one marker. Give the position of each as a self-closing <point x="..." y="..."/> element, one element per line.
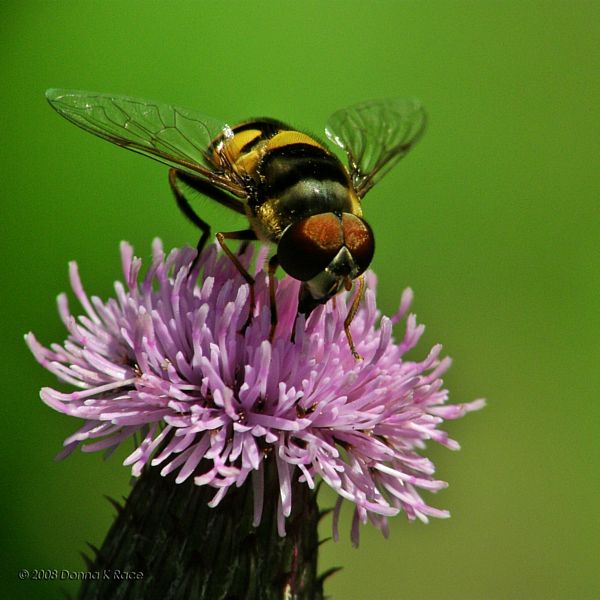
<point x="184" y="549"/>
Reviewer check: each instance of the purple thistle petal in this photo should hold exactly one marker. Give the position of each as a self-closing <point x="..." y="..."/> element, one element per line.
<point x="165" y="359"/>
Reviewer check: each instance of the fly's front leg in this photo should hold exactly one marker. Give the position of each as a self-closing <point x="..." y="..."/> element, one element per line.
<point x="352" y="314"/>
<point x="246" y="234"/>
<point x="273" y="264"/>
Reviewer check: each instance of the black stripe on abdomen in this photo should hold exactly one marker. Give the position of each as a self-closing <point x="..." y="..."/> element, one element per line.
<point x="282" y="168"/>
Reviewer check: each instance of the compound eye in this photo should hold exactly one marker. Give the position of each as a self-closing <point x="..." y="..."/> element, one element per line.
<point x="308" y="246"/>
<point x="358" y="238"/>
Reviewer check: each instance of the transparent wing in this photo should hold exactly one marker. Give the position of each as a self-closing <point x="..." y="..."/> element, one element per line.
<point x="375" y="135"/>
<point x="178" y="137"/>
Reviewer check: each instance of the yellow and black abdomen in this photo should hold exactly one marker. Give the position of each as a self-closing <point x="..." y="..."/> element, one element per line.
<point x="243" y="151"/>
<point x="296" y="177"/>
<point x="289" y="175"/>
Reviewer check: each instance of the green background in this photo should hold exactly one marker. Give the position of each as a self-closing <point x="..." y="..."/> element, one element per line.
<point x="492" y="220"/>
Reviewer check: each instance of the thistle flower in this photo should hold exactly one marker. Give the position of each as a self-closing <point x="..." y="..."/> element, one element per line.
<point x="165" y="364"/>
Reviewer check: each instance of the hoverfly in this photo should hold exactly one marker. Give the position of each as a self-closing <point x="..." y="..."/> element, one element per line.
<point x="294" y="191"/>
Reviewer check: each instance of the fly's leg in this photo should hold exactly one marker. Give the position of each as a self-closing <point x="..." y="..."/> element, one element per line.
<point x="293" y="336"/>
<point x="243" y="247"/>
<point x="352" y="314"/>
<point x="245" y="234"/>
<point x="273" y="264"/>
<point x="206" y="188"/>
<point x="185" y="207"/>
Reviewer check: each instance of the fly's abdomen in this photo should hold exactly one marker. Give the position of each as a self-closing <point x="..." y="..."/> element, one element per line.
<point x="242" y="152"/>
<point x="300" y="178"/>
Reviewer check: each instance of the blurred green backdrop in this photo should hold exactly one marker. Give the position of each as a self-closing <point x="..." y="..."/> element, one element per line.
<point x="492" y="219"/>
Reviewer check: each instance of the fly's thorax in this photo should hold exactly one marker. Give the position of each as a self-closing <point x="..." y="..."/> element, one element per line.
<point x="301" y="200"/>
